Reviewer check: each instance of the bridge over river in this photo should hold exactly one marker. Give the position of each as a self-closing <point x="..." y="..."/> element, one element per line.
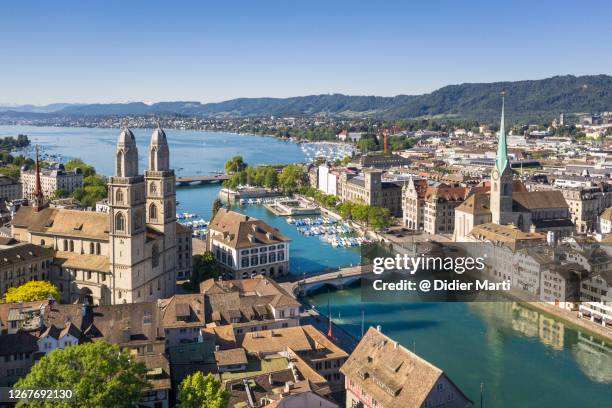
<point x="209" y="179"/>
<point x="338" y="278"/>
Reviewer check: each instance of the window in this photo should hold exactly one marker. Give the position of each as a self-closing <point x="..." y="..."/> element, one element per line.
<point x="119" y="196"/>
<point x="153" y="212"/>
<point x="155" y="256"/>
<point x="91" y="248"/>
<point x="120" y="222"/>
<point x="98" y="249"/>
<point x="263" y="258"/>
<point x="138" y="219"/>
<point x="65" y="245"/>
<point x="244" y="262"/>
<point x="254" y="260"/>
<point x="152" y="188"/>
<point x="42" y="242"/>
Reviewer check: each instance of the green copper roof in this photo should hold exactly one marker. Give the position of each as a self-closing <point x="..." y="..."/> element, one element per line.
<point x="501" y="162"/>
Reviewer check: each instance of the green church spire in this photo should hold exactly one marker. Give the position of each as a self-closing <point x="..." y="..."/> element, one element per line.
<point x="501" y="162"/>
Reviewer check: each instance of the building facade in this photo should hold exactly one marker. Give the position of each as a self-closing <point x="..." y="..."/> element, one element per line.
<point x="51" y="181"/>
<point x="370" y="189"/>
<point x="10" y="189"/>
<point x="245" y="247"/>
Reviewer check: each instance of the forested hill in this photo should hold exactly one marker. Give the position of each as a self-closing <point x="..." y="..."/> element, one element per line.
<point x="526" y="100"/>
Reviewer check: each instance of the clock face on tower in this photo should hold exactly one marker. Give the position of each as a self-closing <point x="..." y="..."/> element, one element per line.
<point x="495" y="174"/>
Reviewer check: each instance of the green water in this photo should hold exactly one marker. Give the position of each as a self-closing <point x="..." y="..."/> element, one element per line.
<point x="523" y="357"/>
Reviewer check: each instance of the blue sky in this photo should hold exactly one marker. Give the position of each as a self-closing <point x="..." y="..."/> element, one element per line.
<point x="110" y="51"/>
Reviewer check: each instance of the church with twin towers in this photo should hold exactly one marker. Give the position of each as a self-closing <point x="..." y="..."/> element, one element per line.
<point x="132" y="253"/>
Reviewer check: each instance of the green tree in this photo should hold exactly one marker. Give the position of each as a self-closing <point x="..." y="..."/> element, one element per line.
<point x="94" y="189"/>
<point x="292" y="178"/>
<point x="87" y="169"/>
<point x="32" y="290"/>
<point x="217" y="204"/>
<point x="379" y="217"/>
<point x="101" y="375"/>
<point x="204" y="267"/>
<point x="235" y="164"/>
<point x="271" y="178"/>
<point x="11" y="170"/>
<point x="200" y="391"/>
<point x="59" y="193"/>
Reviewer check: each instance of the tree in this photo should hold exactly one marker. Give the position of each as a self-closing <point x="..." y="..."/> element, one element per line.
<point x="217" y="204"/>
<point x="235" y="164"/>
<point x="379" y="217"/>
<point x="204" y="267"/>
<point x="32" y="290"/>
<point x="86" y="169"/>
<point x="271" y="178"/>
<point x="100" y="374"/>
<point x="59" y="193"/>
<point x="292" y="178"/>
<point x="200" y="391"/>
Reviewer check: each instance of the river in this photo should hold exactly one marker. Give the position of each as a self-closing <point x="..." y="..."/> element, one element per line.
<point x="524" y="358"/>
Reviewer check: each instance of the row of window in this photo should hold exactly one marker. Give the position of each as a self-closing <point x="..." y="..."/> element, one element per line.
<point x="262" y="249"/>
<point x="262" y="259"/>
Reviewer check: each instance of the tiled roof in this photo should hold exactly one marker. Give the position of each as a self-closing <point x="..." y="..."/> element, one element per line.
<point x="87" y="262"/>
<point x="236" y="356"/>
<point x="63" y="222"/>
<point x="392" y="375"/>
<point x="242" y="231"/>
<point x="24" y="252"/>
<point x="477" y="204"/>
<point x="533" y="200"/>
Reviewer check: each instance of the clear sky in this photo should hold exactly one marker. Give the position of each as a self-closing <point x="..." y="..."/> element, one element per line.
<point x="116" y="51"/>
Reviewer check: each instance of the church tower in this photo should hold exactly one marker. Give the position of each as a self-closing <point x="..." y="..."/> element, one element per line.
<point x="501" y="179"/>
<point x="161" y="199"/>
<point x="126" y="201"/>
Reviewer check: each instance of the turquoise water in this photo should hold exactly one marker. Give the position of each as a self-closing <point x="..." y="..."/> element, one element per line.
<point x="507" y="347"/>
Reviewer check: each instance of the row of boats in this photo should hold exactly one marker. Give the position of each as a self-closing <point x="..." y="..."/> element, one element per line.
<point x="311" y="221"/>
<point x="199" y="228"/>
<point x="262" y="200"/>
<point x="328" y="230"/>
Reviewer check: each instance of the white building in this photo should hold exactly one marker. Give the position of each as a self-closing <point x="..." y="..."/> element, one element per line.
<point x="245" y="247"/>
<point x="328" y="180"/>
<point x="51" y="181"/>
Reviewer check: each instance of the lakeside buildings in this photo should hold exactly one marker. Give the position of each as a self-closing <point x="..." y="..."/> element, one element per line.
<point x="10" y="189"/>
<point x="246" y="247"/>
<point x="126" y="255"/>
<point x="381" y="373"/>
<point x="50" y="181"/>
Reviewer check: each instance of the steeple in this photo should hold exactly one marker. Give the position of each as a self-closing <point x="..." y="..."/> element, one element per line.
<point x="38" y="194"/>
<point x="127" y="154"/>
<point x="159" y="154"/>
<point x="501" y="162"/>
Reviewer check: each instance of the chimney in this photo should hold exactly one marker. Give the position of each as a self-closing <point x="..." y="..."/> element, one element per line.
<point x="379" y="328"/>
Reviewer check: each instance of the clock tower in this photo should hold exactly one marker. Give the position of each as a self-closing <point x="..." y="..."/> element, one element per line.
<point x="501" y="179"/>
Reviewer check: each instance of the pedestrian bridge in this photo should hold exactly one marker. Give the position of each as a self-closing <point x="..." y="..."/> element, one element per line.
<point x="337" y="279"/>
<point x="210" y="179"/>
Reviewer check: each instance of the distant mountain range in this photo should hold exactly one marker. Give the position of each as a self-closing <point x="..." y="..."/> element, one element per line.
<point x="526" y="100"/>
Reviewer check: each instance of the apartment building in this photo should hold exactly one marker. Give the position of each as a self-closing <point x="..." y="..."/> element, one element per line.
<point x="51" y="181"/>
<point x="380" y="373"/>
<point x="439" y="203"/>
<point x="23" y="262"/>
<point x="10" y="189"/>
<point x="369" y="188"/>
<point x="245" y="247"/>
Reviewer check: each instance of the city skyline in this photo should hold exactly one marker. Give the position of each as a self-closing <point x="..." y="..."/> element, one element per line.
<point x="208" y="53"/>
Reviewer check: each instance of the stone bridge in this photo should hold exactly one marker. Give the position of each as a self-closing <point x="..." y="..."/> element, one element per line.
<point x="338" y="279"/>
<point x="213" y="178"/>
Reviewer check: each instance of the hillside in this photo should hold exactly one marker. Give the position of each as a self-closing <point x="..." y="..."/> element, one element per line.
<point x="526" y="100"/>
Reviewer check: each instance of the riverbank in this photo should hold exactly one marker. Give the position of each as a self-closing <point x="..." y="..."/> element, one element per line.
<point x="568" y="317"/>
